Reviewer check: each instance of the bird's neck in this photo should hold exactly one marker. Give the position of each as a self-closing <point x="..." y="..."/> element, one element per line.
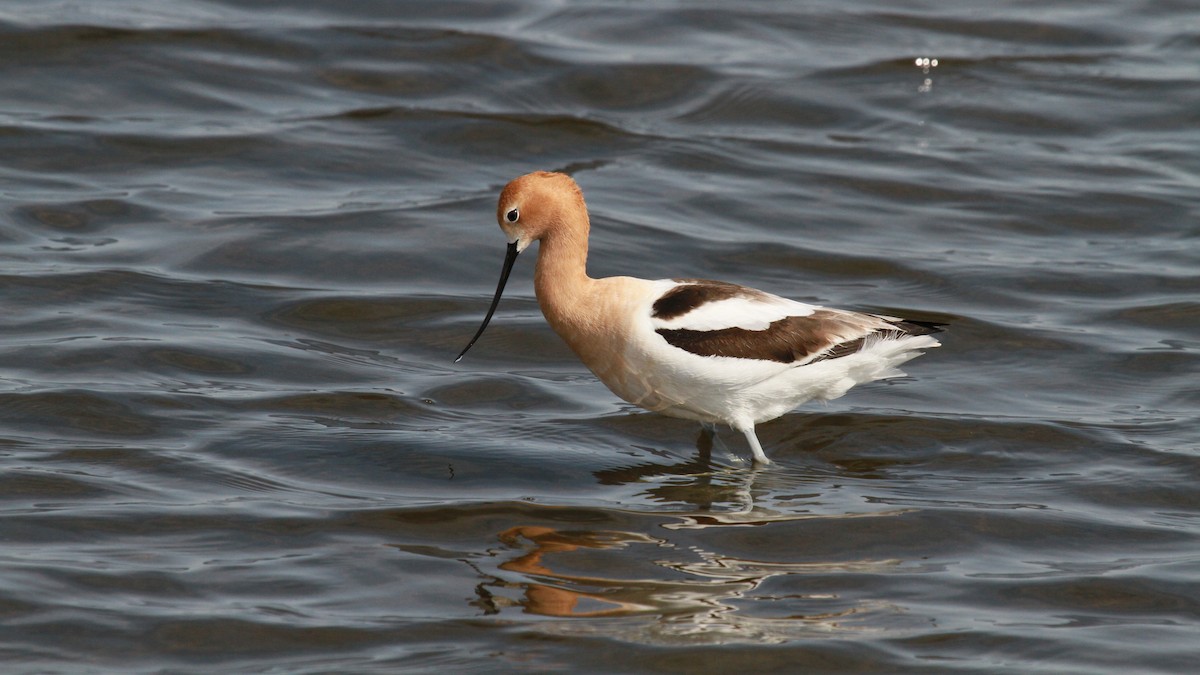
<point x="560" y="279"/>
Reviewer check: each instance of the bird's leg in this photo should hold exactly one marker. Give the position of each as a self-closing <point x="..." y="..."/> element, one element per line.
<point x="760" y="457"/>
<point x="710" y="430"/>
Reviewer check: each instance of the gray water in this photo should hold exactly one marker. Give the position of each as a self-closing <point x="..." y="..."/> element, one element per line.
<point x="241" y="244"/>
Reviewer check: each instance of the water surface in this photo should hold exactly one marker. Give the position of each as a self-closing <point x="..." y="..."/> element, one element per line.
<point x="242" y="244"/>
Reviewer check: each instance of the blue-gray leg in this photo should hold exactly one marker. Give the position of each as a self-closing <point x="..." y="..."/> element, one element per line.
<point x="760" y="457"/>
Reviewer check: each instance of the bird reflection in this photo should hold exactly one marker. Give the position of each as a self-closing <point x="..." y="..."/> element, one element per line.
<point x="706" y="605"/>
<point x="671" y="588"/>
<point x="570" y="595"/>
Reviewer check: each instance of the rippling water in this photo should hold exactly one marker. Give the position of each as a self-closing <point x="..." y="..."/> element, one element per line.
<point x="242" y="243"/>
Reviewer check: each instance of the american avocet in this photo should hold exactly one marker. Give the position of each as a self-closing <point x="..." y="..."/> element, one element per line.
<point x="703" y="350"/>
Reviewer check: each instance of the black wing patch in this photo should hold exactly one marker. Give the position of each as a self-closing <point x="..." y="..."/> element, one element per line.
<point x="692" y="293"/>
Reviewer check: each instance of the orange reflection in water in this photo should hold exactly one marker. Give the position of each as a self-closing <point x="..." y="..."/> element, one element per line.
<point x="564" y="597"/>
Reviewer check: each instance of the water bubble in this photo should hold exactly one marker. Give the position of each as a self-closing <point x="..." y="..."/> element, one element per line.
<point x="925" y="63"/>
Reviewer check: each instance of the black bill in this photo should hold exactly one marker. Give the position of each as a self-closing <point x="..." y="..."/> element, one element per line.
<point x="509" y="259"/>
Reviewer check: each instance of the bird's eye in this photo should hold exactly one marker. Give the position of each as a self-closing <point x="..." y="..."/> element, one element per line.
<point x="512" y="216"/>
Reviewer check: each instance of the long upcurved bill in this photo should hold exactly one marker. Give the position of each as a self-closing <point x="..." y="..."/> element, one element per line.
<point x="509" y="259"/>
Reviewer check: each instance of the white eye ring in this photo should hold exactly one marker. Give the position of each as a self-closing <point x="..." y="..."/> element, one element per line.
<point x="512" y="216"/>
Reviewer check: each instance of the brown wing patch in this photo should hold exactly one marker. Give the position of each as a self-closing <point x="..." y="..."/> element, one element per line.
<point x="691" y="293"/>
<point x="825" y="334"/>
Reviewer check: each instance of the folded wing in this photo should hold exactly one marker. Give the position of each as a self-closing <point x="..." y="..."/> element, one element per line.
<point x="713" y="318"/>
